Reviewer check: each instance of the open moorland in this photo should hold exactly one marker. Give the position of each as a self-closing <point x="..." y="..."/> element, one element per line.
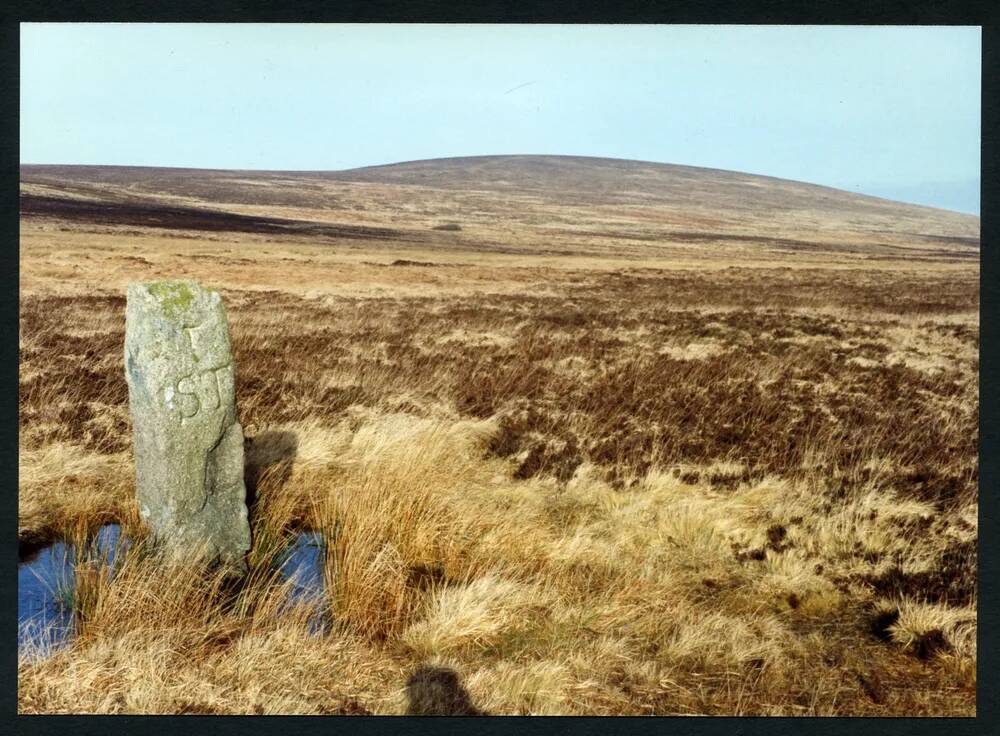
<point x="580" y="436"/>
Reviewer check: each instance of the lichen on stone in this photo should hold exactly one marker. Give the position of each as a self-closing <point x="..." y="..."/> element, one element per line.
<point x="174" y="296"/>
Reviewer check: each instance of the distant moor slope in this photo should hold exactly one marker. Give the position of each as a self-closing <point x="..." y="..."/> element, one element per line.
<point x="515" y="204"/>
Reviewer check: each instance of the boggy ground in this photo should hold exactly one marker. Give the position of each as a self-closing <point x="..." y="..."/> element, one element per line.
<point x="547" y="484"/>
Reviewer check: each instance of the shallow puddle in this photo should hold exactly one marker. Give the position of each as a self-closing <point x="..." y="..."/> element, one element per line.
<point x="302" y="563"/>
<point x="45" y="584"/>
<point x="44" y="619"/>
<point x="45" y="590"/>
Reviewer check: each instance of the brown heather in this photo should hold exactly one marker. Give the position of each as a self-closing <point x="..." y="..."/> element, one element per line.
<point x="662" y="478"/>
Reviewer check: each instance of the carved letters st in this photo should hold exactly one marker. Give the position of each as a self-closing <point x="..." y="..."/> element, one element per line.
<point x="205" y="388"/>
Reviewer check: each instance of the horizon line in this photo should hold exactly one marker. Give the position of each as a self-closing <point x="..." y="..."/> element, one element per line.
<point x="515" y="155"/>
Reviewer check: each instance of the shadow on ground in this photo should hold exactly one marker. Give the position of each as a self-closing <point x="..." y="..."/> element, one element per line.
<point x="271" y="452"/>
<point x="438" y="691"/>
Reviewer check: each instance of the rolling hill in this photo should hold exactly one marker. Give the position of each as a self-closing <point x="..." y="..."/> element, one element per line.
<point x="535" y="204"/>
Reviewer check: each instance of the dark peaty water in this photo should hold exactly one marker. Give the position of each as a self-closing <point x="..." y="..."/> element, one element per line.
<point x="45" y="590"/>
<point x="302" y="563"/>
<point x="45" y="620"/>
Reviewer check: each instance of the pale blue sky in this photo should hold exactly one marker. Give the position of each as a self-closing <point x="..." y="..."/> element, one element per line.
<point x="891" y="111"/>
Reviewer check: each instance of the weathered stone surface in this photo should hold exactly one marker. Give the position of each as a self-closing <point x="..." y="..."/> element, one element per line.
<point x="187" y="439"/>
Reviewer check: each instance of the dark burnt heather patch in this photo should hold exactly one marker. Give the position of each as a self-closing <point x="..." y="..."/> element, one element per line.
<point x="781" y="384"/>
<point x="39" y="314"/>
<point x="890" y="292"/>
<point x="560" y="459"/>
<point x="966" y="333"/>
<point x="881" y="624"/>
<point x="405" y="262"/>
<point x="191" y="218"/>
<point x="950" y="579"/>
<point x="930" y="643"/>
<point x="764" y="401"/>
<point x="70" y="382"/>
<point x="661" y="409"/>
<point x="583" y="376"/>
<point x="941" y="487"/>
